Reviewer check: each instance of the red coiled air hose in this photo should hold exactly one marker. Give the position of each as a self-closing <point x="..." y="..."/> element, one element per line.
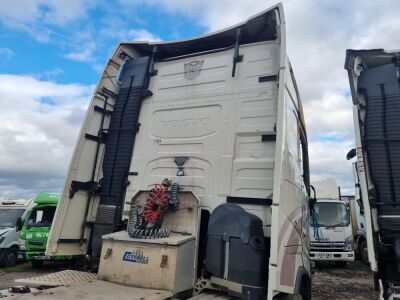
<point x="156" y="205"/>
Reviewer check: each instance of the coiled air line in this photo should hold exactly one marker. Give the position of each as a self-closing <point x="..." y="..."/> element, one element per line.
<point x="148" y="224"/>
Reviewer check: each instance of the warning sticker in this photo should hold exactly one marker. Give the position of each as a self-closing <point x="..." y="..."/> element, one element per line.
<point x="360" y="160"/>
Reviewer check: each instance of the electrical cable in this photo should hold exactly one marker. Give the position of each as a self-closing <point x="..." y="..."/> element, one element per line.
<point x="315" y="225"/>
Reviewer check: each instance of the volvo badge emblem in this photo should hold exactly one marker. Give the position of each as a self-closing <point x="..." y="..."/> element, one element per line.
<point x="193" y="69"/>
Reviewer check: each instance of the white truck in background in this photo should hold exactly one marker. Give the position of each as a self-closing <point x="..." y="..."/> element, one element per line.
<point x="331" y="235"/>
<point x="357" y="220"/>
<point x="11" y="211"/>
<point x="375" y="89"/>
<point x="220" y="117"/>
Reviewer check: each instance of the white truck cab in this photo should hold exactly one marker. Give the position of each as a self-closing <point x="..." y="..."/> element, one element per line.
<point x="331" y="236"/>
<point x="10" y="212"/>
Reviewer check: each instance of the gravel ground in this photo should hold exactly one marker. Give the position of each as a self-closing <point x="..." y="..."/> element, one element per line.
<point x="353" y="282"/>
<point x="329" y="282"/>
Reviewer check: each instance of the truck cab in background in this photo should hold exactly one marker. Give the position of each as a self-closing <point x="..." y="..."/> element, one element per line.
<point x="357" y="219"/>
<point x="11" y="212"/>
<point x="331" y="236"/>
<point x="36" y="228"/>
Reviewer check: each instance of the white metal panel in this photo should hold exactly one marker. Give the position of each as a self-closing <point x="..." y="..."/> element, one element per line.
<point x="216" y="121"/>
<point x="326" y="189"/>
<point x="70" y="212"/>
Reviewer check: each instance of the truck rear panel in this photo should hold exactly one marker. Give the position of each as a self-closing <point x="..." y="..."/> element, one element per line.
<point x="374" y="81"/>
<point x="221" y="116"/>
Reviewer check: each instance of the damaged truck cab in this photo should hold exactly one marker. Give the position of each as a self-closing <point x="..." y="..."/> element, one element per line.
<point x="200" y="145"/>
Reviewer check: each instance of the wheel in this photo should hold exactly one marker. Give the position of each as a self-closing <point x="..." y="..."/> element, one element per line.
<point x="11" y="257"/>
<point x="36" y="264"/>
<point x="363" y="252"/>
<point x="306" y="289"/>
<point x="341" y="264"/>
<point x="305" y="292"/>
<point x="289" y="297"/>
<point x="376" y="281"/>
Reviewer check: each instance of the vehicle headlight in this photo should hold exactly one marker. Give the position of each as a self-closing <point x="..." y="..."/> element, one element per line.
<point x="21" y="244"/>
<point x="2" y="238"/>
<point x="348" y="244"/>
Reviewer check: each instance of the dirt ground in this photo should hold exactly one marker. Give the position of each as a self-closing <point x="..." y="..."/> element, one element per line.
<point x="329" y="282"/>
<point x="353" y="282"/>
<point x="7" y="275"/>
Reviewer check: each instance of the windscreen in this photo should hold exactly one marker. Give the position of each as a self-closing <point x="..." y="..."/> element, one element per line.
<point x="332" y="214"/>
<point x="41" y="217"/>
<point x="9" y="217"/>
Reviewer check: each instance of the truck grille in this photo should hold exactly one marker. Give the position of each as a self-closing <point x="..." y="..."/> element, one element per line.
<point x="33" y="243"/>
<point x="327" y="247"/>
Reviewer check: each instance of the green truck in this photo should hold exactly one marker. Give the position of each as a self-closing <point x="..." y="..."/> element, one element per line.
<point x="35" y="229"/>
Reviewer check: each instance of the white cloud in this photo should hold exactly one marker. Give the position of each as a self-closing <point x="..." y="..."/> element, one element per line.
<point x="49" y="74"/>
<point x="40" y="123"/>
<point x="6" y="53"/>
<point x="86" y="55"/>
<point x="141" y="35"/>
<point x="14" y="13"/>
<point x="40" y="18"/>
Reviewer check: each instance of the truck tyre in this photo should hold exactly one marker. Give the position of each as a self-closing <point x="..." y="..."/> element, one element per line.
<point x="289" y="297"/>
<point x="363" y="251"/>
<point x="305" y="292"/>
<point x="376" y="281"/>
<point x="341" y="264"/>
<point x="11" y="257"/>
<point x="37" y="264"/>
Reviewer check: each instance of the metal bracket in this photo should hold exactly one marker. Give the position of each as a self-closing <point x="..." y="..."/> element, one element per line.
<point x="108" y="93"/>
<point x="123" y="55"/>
<point x="236" y="57"/>
<point x="102" y="110"/>
<point x="268" y="78"/>
<point x="147" y="93"/>
<point x="164" y="261"/>
<point x="180" y="160"/>
<point x="268" y="138"/>
<point x="101" y="138"/>
<point x="89" y="186"/>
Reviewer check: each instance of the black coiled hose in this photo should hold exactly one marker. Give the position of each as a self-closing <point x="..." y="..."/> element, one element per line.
<point x="137" y="227"/>
<point x="174" y="199"/>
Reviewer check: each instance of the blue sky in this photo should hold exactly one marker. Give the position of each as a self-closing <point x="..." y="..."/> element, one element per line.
<point x="76" y="52"/>
<point x="52" y="52"/>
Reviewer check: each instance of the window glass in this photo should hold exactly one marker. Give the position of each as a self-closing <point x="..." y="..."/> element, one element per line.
<point x="41" y="217"/>
<point x="9" y="216"/>
<point x="293" y="135"/>
<point x="332" y="214"/>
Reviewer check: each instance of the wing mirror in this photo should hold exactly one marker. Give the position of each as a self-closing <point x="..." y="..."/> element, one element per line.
<point x="19" y="224"/>
<point x="313" y="199"/>
<point x="352" y="153"/>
